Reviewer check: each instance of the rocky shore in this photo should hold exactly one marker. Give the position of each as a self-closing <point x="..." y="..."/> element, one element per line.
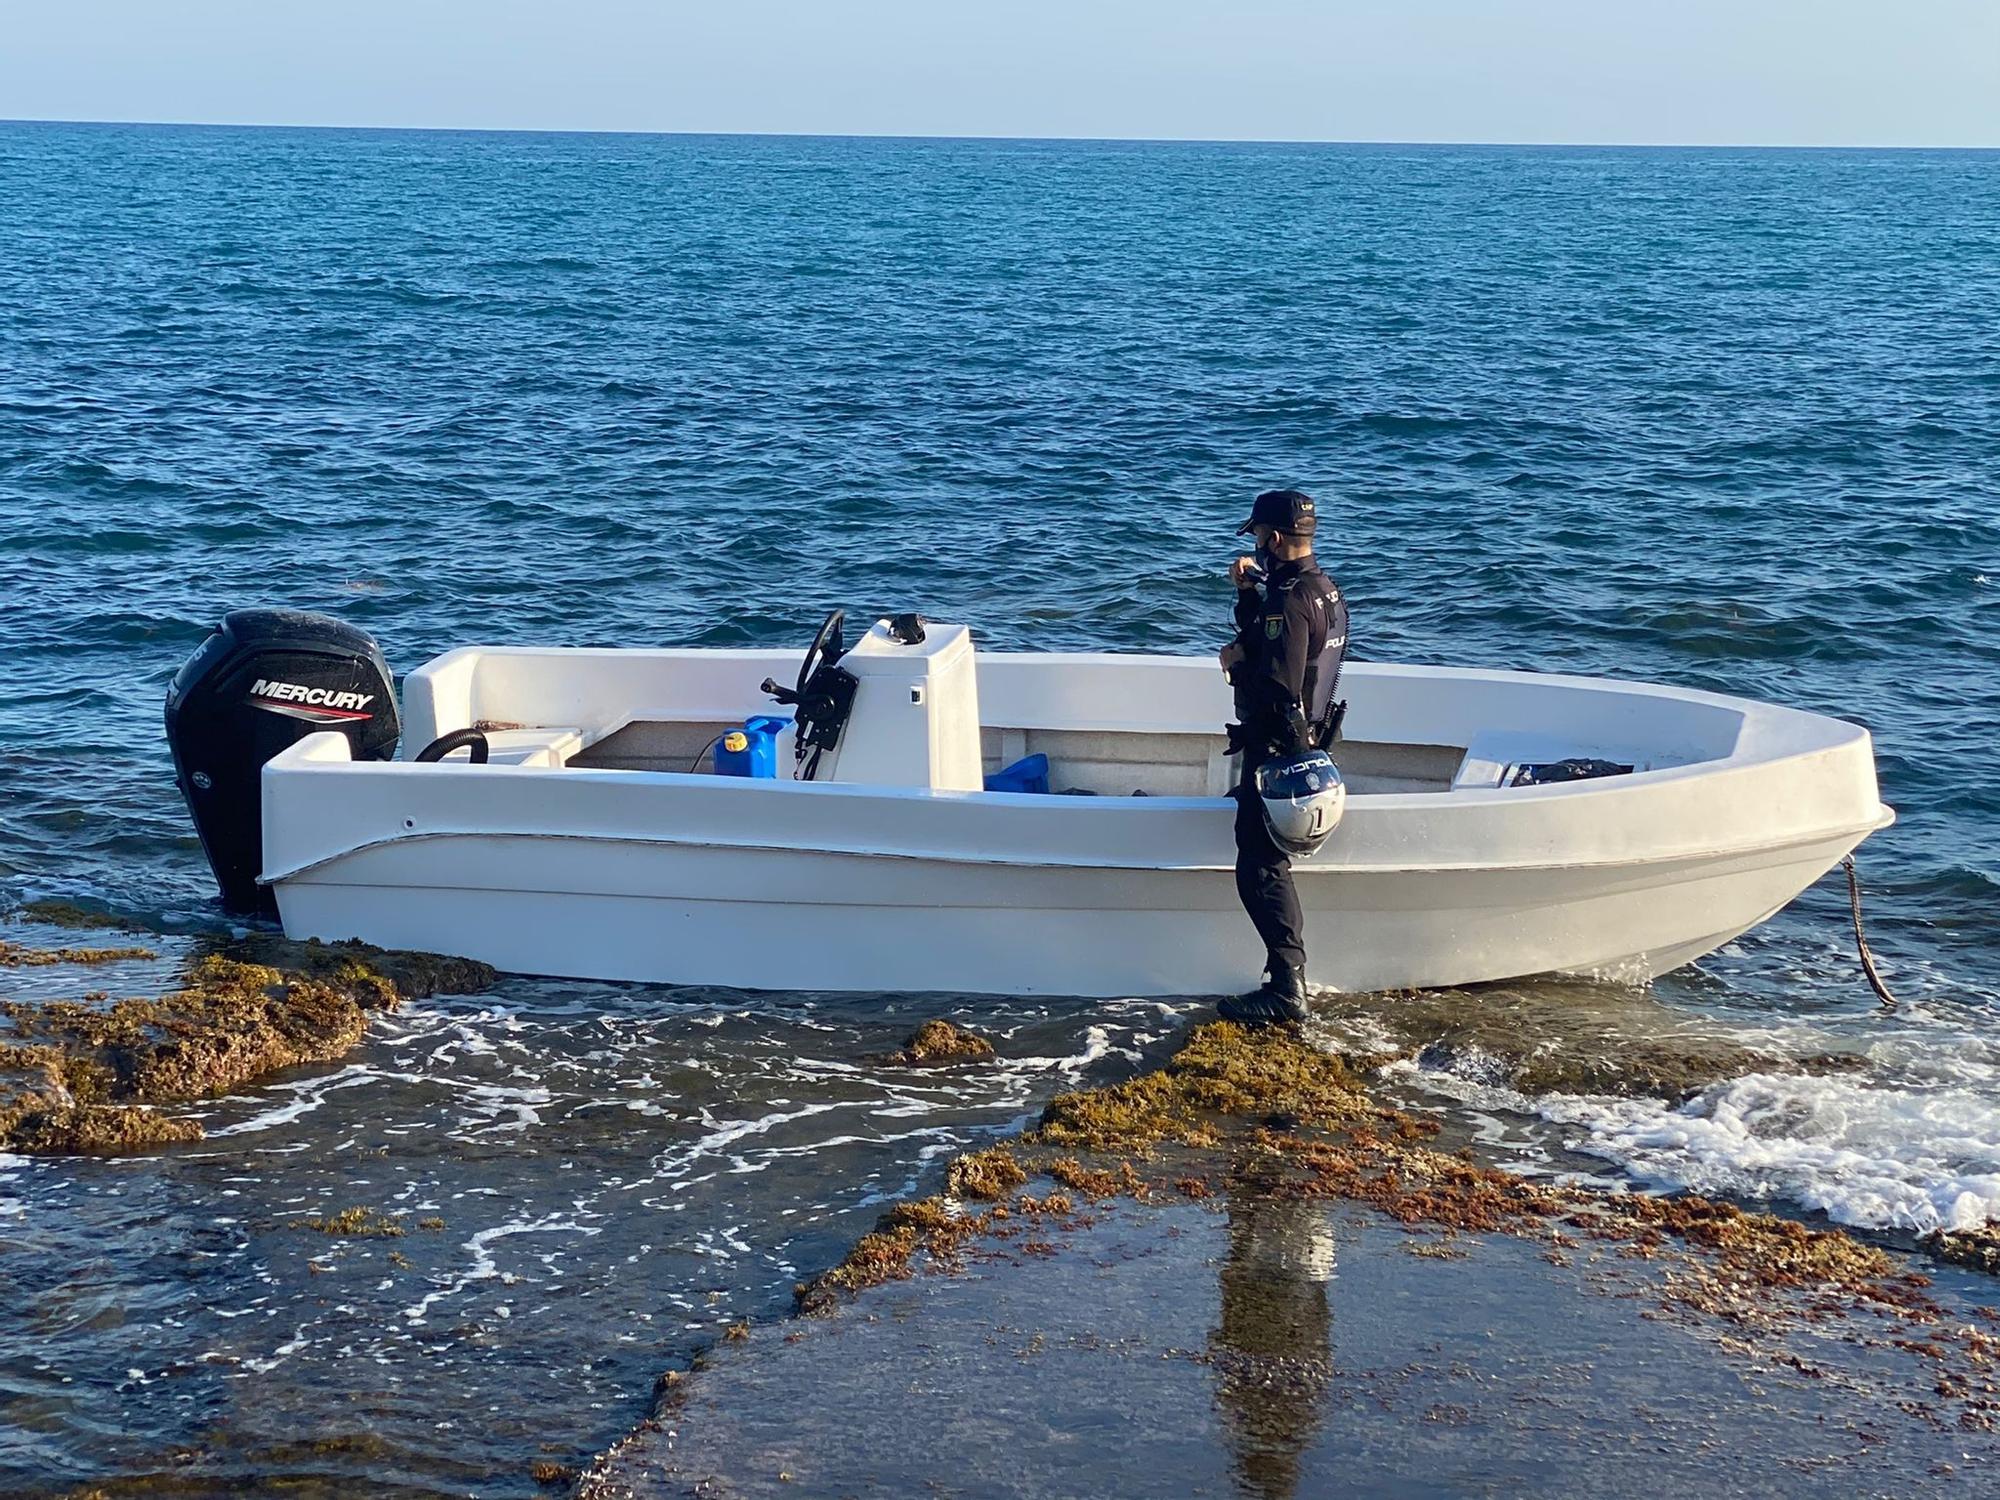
<point x="99" y="1075"/>
<point x="1099" y="1231"/>
<point x="1203" y="1242"/>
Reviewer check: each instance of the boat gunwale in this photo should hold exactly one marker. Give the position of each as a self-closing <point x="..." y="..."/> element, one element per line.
<point x="292" y="762"/>
<point x="1798" y="730"/>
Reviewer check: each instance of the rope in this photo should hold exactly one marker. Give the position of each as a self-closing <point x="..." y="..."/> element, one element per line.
<point x="1861" y="938"/>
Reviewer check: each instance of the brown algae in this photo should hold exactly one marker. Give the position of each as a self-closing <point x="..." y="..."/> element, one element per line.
<point x="1093" y="1182"/>
<point x="932" y="1226"/>
<point x="70" y="914"/>
<point x="939" y="1041"/>
<point x="985" y="1174"/>
<point x="20" y="956"/>
<point x="1221" y="1070"/>
<point x="352" y="1223"/>
<point x="1978" y="1248"/>
<point x="74" y="1074"/>
<point x="42" y="1110"/>
<point x="885" y="1253"/>
<point x="1558" y="1038"/>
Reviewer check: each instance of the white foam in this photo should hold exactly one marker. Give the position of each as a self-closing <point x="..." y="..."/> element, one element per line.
<point x="485" y="1267"/>
<point x="307" y="1096"/>
<point x="1096" y="1045"/>
<point x="284" y="1351"/>
<point x="1866" y="1152"/>
<point x="1910" y="1141"/>
<point x="12" y="1208"/>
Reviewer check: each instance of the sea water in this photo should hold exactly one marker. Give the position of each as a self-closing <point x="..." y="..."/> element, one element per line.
<point x="1724" y="419"/>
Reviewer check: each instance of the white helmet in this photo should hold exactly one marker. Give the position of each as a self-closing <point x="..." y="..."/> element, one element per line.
<point x="1303" y="797"/>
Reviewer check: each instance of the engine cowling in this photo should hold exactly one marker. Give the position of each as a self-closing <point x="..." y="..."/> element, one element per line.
<point x="264" y="680"/>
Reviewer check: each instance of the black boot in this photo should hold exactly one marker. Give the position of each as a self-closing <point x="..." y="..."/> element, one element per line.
<point x="1280" y="999"/>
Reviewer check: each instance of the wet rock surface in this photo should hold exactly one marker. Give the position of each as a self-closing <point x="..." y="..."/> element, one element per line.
<point x="20" y="956"/>
<point x="593" y="1181"/>
<point x="1976" y="1248"/>
<point x="1251" y="1127"/>
<point x="1272" y="1347"/>
<point x="71" y="914"/>
<point x="1187" y="1278"/>
<point x="1554" y="1038"/>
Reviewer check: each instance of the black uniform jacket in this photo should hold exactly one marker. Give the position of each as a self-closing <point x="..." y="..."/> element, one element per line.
<point x="1294" y="635"/>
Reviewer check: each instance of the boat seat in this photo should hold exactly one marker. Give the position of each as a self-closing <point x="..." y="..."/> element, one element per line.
<point x="1176" y="761"/>
<point x="547" y="746"/>
<point x="1495" y="752"/>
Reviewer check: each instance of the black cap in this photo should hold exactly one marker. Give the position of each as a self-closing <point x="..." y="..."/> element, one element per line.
<point x="1289" y="511"/>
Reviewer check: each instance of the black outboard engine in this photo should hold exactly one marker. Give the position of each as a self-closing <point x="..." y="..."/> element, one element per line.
<point x="266" y="679"/>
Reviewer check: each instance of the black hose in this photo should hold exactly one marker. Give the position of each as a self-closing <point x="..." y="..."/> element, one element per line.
<point x="1861" y="938"/>
<point x="473" y="740"/>
<point x="695" y="764"/>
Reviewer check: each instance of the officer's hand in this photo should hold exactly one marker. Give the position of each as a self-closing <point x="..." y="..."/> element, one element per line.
<point x="1230" y="656"/>
<point x="1242" y="572"/>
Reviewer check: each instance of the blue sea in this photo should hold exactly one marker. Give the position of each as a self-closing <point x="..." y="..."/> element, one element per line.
<point x="1721" y="418"/>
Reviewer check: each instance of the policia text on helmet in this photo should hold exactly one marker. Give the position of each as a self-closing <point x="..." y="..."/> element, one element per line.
<point x="1284" y="665"/>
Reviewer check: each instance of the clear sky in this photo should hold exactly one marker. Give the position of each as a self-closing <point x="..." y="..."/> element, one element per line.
<point x="1812" y="72"/>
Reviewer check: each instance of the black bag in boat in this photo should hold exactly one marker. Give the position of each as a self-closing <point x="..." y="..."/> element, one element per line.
<point x="1577" y="768"/>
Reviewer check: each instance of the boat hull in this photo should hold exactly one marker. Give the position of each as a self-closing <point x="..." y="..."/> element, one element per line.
<point x="555" y="866"/>
<point x="786" y="920"/>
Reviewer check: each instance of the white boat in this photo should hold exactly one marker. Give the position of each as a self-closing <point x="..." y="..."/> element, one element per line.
<point x="585" y="846"/>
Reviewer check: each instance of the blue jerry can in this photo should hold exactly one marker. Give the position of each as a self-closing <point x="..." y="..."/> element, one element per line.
<point x="751" y="750"/>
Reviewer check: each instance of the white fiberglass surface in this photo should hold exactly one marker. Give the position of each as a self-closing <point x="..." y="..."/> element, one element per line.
<point x="596" y="689"/>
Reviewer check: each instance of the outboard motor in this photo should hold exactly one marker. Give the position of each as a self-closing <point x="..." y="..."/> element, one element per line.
<point x="265" y="680"/>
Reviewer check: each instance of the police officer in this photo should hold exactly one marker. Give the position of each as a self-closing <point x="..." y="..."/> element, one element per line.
<point x="1284" y="665"/>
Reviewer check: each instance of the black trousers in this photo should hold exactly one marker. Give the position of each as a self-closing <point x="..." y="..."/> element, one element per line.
<point x="1264" y="884"/>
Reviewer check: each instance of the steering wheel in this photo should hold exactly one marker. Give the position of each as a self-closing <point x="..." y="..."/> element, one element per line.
<point x="827" y="647"/>
<point x="823" y="696"/>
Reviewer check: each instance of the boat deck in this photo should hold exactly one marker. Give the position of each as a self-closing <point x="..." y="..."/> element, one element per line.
<point x="1105" y="763"/>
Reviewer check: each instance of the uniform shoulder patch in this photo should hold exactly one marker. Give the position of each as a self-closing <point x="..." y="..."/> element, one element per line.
<point x="1274" y="626"/>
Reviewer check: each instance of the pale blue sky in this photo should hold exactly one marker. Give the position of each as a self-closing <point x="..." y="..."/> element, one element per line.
<point x="1882" y="72"/>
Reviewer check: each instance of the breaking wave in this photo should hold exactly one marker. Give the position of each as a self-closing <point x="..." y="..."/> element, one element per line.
<point x="1908" y="1141"/>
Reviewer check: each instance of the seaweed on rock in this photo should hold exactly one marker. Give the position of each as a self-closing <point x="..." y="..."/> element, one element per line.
<point x="53" y="913"/>
<point x="1978" y="1248"/>
<point x="1284" y="1118"/>
<point x="352" y="1223"/>
<point x="985" y="1174"/>
<point x="75" y="1074"/>
<point x="20" y="956"/>
<point x="1221" y="1070"/>
<point x="938" y="1041"/>
<point x="1550" y="1039"/>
